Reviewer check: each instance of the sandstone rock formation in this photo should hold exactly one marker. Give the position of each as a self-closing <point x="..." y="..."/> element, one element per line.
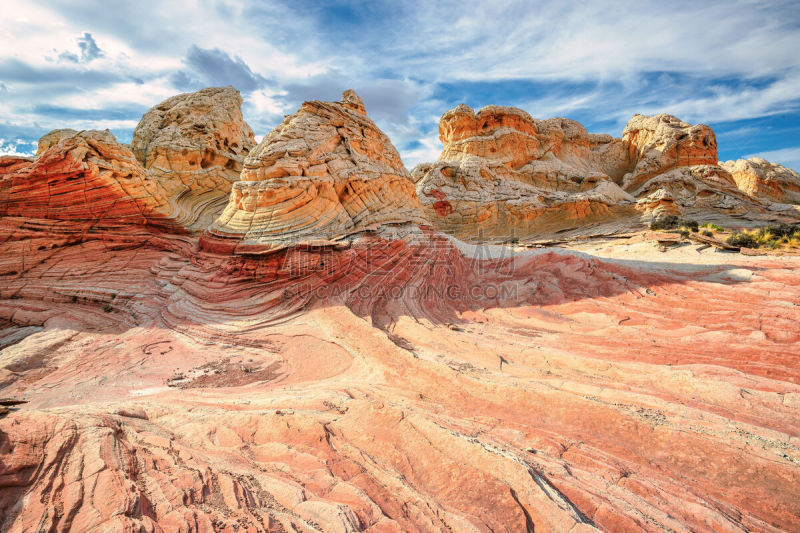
<point x="85" y="177"/>
<point x="394" y="387"/>
<point x="663" y="142"/>
<point x="324" y="173"/>
<point x="504" y="175"/>
<point x="11" y="163"/>
<point x="192" y="145"/>
<point x="761" y="179"/>
<point x="676" y="170"/>
<point x="399" y="379"/>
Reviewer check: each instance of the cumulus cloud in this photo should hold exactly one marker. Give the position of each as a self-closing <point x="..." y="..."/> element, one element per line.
<point x="17" y="147"/>
<point x="88" y="50"/>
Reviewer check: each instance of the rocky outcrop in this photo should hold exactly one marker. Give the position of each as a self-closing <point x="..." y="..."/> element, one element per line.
<point x="324" y="173"/>
<point x="503" y="175"/>
<point x="395" y="379"/>
<point x="11" y="163"/>
<point x="662" y="142"/>
<point x="193" y="145"/>
<point x="676" y="171"/>
<point x="85" y="177"/>
<point x="767" y="181"/>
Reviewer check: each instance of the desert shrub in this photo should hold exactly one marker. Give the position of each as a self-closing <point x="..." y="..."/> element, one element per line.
<point x="712" y="227"/>
<point x="673" y="222"/>
<point x="782" y="230"/>
<point x="743" y="240"/>
<point x="708" y="233"/>
<point x="107" y="308"/>
<point x="667" y="222"/>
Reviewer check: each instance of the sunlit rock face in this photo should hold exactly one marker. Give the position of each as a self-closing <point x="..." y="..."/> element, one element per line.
<point x="83" y="177"/>
<point x="504" y="175"/>
<point x="761" y="179"/>
<point x="663" y="142"/>
<point x="676" y="171"/>
<point x="193" y="145"/>
<point x="325" y="172"/>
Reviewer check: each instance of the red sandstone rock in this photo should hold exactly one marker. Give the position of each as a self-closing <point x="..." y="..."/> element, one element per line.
<point x="81" y="176"/>
<point x="549" y="390"/>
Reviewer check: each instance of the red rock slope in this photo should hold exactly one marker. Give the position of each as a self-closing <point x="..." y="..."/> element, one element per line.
<point x="391" y="379"/>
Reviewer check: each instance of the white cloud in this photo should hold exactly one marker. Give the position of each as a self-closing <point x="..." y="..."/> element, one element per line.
<point x="17" y="147"/>
<point x="403" y="52"/>
<point x="428" y="152"/>
<point x="788" y="157"/>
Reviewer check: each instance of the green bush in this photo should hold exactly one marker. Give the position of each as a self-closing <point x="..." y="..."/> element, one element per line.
<point x="667" y="222"/>
<point x="708" y="233"/>
<point x="782" y="230"/>
<point x="673" y="222"/>
<point x="711" y="226"/>
<point x="743" y="240"/>
<point x="107" y="308"/>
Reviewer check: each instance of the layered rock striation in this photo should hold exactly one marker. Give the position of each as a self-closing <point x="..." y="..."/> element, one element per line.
<point x="371" y="373"/>
<point x="324" y="173"/>
<point x="85" y="177"/>
<point x="767" y="181"/>
<point x="504" y="175"/>
<point x="176" y="174"/>
<point x="193" y="146"/>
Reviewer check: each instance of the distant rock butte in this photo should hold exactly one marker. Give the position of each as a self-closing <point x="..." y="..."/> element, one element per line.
<point x="85" y="177"/>
<point x="761" y="179"/>
<point x="193" y="145"/>
<point x="503" y="174"/>
<point x="677" y="171"/>
<point x="324" y="173"/>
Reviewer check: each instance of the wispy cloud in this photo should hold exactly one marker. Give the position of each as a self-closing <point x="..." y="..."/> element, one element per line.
<point x="788" y="157"/>
<point x="713" y="62"/>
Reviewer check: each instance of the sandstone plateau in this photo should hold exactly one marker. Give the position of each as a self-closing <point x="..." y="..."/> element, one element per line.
<point x="329" y="355"/>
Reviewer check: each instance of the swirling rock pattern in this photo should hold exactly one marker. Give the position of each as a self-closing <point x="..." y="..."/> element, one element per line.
<point x="325" y="172"/>
<point x="406" y="382"/>
<point x="323" y="360"/>
<point x="193" y="145"/>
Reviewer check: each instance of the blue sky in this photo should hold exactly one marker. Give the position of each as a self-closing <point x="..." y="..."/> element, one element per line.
<point x="732" y="65"/>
